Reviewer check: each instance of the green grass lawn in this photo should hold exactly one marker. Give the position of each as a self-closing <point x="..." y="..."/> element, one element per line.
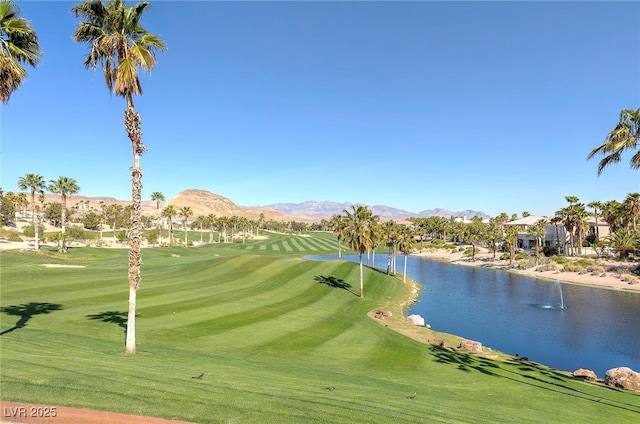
<point x="269" y="335"/>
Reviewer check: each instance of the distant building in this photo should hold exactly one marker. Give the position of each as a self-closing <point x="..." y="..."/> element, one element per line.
<point x="552" y="233"/>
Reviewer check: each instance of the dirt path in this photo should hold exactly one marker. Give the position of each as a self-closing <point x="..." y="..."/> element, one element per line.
<point x="17" y="412"/>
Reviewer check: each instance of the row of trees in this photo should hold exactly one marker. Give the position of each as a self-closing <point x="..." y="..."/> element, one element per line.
<point x="364" y="232"/>
<point x="35" y="184"/>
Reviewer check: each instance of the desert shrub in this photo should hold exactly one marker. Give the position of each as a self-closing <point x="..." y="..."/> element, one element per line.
<point x="121" y="236"/>
<point x="526" y="263"/>
<point x="29" y="231"/>
<point x="559" y="259"/>
<point x="504" y="256"/>
<point x="75" y="233"/>
<point x="584" y="262"/>
<point x="550" y="266"/>
<point x="595" y="269"/>
<point x="572" y="267"/>
<point x="468" y="252"/>
<point x="152" y="236"/>
<point x="10" y="235"/>
<point x="629" y="278"/>
<point x="521" y="256"/>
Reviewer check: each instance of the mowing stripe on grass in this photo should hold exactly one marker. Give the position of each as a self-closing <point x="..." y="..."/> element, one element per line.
<point x="286" y="246"/>
<point x="270" y="333"/>
<point x="296" y="245"/>
<point x="317" y="245"/>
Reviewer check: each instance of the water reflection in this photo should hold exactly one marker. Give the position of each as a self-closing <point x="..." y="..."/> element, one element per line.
<point x="597" y="329"/>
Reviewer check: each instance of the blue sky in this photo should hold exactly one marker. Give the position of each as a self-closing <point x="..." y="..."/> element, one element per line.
<point x="490" y="106"/>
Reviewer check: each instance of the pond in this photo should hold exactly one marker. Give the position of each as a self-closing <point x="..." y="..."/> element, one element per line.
<point x="564" y="326"/>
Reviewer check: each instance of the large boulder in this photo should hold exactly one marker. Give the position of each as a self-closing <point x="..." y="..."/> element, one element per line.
<point x="470" y="345"/>
<point x="624" y="378"/>
<point x="585" y="374"/>
<point x="416" y="320"/>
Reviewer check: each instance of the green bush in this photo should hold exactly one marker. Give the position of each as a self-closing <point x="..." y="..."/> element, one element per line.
<point x="121" y="236"/>
<point x="584" y="262"/>
<point x="559" y="259"/>
<point x="520" y="256"/>
<point x="504" y="256"/>
<point x="29" y="231"/>
<point x="75" y="233"/>
<point x="152" y="236"/>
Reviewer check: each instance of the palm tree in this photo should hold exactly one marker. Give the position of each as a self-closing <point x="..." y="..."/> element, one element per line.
<point x="337" y="224"/>
<point x="359" y="233"/>
<point x="120" y="44"/>
<point x="493" y="233"/>
<point x="233" y="222"/>
<point x="199" y="222"/>
<point x="473" y="233"/>
<point x="613" y="214"/>
<point x="555" y="220"/>
<point x="18" y="46"/>
<point x="223" y="222"/>
<point x="406" y="240"/>
<point x="170" y="212"/>
<point x="65" y="187"/>
<point x="185" y="213"/>
<point x="158" y="197"/>
<point x="596" y="205"/>
<point x="632" y="203"/>
<point x="623" y="137"/>
<point x="244" y="223"/>
<point x="211" y="221"/>
<point x="624" y="241"/>
<point x="391" y="234"/>
<point x="511" y="237"/>
<point x="579" y="216"/>
<point x="537" y="231"/>
<point x="35" y="183"/>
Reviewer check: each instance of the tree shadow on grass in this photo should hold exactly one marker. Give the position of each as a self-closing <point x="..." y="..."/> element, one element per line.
<point x="334" y="282"/>
<point x="529" y="373"/>
<point x="113" y="317"/>
<point x="26" y="311"/>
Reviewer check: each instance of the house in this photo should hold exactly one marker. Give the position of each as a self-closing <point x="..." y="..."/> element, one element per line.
<point x="602" y="229"/>
<point x="553" y="234"/>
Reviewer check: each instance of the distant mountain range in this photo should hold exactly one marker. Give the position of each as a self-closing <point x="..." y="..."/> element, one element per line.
<point x="203" y="202"/>
<point x="326" y="209"/>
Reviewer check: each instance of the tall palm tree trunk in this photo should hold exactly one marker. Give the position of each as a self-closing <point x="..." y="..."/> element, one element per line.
<point x="132" y="124"/>
<point x="404" y="272"/>
<point x="361" y="278"/>
<point x="34" y="218"/>
<point x="63" y="223"/>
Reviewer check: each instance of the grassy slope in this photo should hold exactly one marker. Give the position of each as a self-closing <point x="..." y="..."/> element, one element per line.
<point x="268" y="336"/>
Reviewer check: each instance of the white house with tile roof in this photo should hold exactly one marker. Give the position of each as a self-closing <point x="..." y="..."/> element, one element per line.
<point x="552" y="234"/>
